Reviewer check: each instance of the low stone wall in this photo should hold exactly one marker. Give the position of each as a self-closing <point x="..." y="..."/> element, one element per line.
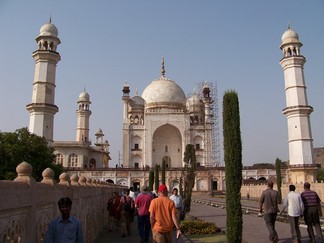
<point x="255" y="191"/>
<point x="27" y="206"/>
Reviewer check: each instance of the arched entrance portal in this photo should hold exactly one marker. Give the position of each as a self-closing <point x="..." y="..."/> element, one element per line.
<point x="167" y="161"/>
<point x="167" y="144"/>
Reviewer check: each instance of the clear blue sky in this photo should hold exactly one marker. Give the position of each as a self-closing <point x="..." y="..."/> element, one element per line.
<point x="105" y="43"/>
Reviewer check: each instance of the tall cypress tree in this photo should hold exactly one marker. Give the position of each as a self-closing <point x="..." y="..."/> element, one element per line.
<point x="156" y="177"/>
<point x="163" y="172"/>
<point x="233" y="166"/>
<point x="151" y="180"/>
<point x="190" y="167"/>
<point x="278" y="174"/>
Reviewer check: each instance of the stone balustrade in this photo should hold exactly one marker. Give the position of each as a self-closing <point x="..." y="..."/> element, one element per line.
<point x="27" y="206"/>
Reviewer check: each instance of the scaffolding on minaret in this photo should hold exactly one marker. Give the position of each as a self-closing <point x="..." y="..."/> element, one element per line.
<point x="215" y="145"/>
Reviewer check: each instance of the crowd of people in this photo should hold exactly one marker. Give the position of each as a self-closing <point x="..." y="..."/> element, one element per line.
<point x="157" y="214"/>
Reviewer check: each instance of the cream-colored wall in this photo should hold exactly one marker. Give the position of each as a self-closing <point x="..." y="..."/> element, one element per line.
<point x="256" y="190"/>
<point x="27" y="207"/>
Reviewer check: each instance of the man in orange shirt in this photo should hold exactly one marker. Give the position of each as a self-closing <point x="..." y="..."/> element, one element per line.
<point x="163" y="217"/>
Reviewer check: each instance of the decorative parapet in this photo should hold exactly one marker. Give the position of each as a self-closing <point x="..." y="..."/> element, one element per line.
<point x="28" y="206"/>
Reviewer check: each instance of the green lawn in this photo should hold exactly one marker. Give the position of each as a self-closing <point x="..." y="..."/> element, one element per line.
<point x="214" y="238"/>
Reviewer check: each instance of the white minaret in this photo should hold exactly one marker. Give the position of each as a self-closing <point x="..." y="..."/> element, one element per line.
<point x="126" y="134"/>
<point x="297" y="111"/>
<point x="42" y="108"/>
<point x="83" y="114"/>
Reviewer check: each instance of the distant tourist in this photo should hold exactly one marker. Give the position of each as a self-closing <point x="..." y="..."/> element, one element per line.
<point x="126" y="208"/>
<point x="269" y="207"/>
<point x="295" y="210"/>
<point x="163" y="217"/>
<point x="178" y="202"/>
<point x="114" y="213"/>
<point x="142" y="203"/>
<point x="66" y="228"/>
<point x="313" y="211"/>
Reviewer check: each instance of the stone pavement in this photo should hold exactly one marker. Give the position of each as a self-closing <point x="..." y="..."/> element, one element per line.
<point x="254" y="228"/>
<point x="115" y="236"/>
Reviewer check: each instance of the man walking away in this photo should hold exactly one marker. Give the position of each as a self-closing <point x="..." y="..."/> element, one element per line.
<point x="295" y="210"/>
<point x="313" y="211"/>
<point x="163" y="217"/>
<point x="142" y="203"/>
<point x="269" y="206"/>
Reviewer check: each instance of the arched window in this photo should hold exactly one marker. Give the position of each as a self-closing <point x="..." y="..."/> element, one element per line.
<point x="73" y="160"/>
<point x="59" y="159"/>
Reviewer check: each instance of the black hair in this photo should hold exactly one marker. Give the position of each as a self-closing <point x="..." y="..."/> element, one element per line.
<point x="64" y="201"/>
<point x="292" y="188"/>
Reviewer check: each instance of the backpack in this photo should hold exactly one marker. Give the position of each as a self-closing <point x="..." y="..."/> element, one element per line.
<point x="128" y="204"/>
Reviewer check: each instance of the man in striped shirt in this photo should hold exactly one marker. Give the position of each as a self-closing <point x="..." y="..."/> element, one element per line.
<point x="312" y="212"/>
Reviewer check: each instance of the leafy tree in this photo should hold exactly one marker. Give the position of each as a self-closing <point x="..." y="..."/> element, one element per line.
<point x="156" y="177"/>
<point x="151" y="180"/>
<point x="21" y="145"/>
<point x="190" y="168"/>
<point x="320" y="174"/>
<point x="163" y="172"/>
<point x="233" y="165"/>
<point x="279" y="178"/>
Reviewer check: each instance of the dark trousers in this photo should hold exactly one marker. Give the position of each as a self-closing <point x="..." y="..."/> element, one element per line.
<point x="270" y="219"/>
<point x="294" y="228"/>
<point x="311" y="217"/>
<point x="144" y="227"/>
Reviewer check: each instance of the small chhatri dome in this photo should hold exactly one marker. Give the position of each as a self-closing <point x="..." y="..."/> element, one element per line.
<point x="289" y="34"/>
<point x="84" y="96"/>
<point x="137" y="101"/>
<point x="48" y="29"/>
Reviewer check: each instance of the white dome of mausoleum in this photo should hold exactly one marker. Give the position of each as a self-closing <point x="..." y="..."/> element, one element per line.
<point x="164" y="93"/>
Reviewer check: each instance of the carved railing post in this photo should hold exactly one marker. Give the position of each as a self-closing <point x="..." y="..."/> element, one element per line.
<point x="48" y="177"/>
<point x="24" y="171"/>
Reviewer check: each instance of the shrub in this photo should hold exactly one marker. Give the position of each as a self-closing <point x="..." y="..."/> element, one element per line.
<point x="198" y="227"/>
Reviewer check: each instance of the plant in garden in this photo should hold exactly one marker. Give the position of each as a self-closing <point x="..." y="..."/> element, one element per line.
<point x="233" y="165"/>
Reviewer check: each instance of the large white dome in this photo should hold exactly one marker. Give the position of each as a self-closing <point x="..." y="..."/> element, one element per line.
<point x="164" y="92"/>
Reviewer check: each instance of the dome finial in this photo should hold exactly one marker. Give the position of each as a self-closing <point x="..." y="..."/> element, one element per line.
<point x="50" y="19"/>
<point x="163" y="70"/>
<point x="289" y="25"/>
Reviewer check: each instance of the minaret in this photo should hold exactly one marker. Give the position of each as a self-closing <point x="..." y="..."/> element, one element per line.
<point x="83" y="114"/>
<point x="42" y="108"/>
<point x="301" y="164"/>
<point x="126" y="124"/>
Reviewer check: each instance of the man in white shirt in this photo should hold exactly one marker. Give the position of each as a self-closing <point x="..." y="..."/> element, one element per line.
<point x="295" y="210"/>
<point x="178" y="202"/>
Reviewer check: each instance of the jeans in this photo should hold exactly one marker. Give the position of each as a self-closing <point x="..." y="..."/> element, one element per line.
<point x="294" y="228"/>
<point x="270" y="219"/>
<point x="144" y="226"/>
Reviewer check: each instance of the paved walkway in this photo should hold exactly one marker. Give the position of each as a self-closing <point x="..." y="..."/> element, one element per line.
<point x="254" y="228"/>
